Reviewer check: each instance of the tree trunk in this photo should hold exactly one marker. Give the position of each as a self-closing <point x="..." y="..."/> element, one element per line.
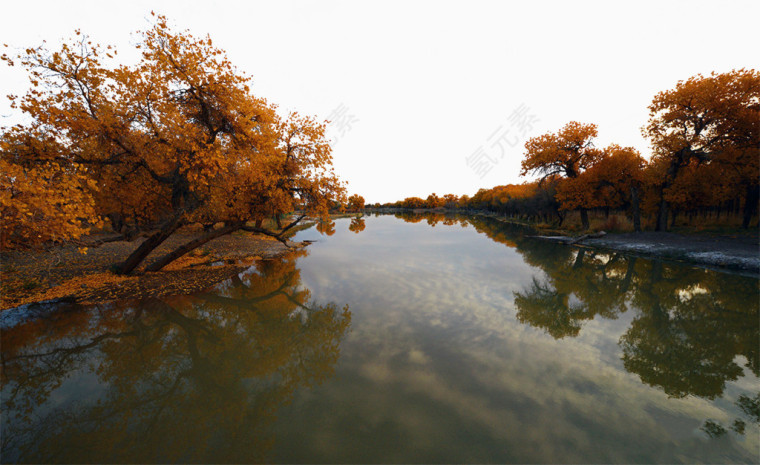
<point x="670" y="176"/>
<point x="149" y="245"/>
<point x="662" y="216"/>
<point x="750" y="204"/>
<point x="561" y="219"/>
<point x="635" y="210"/>
<point x="117" y="222"/>
<point x="673" y="219"/>
<point x="280" y="236"/>
<point x="584" y="219"/>
<point x="194" y="244"/>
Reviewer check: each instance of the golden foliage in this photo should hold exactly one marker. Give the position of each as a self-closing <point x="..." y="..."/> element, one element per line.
<point x="177" y="137"/>
<point x="567" y="152"/>
<point x="356" y="203"/>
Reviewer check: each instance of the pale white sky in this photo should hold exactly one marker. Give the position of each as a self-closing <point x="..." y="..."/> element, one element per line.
<point x="424" y="84"/>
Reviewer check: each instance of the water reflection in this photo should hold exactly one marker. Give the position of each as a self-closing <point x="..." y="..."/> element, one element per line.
<point x="470" y="342"/>
<point x="689" y="325"/>
<point x="357" y="225"/>
<point x="326" y="226"/>
<point x="193" y="378"/>
<point x="433" y="218"/>
<point x="691" y="328"/>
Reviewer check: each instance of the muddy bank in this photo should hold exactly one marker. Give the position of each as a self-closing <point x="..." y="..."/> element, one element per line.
<point x="734" y="253"/>
<point x="74" y="275"/>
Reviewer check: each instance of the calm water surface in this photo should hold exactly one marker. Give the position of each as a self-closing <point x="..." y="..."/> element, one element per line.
<point x="399" y="340"/>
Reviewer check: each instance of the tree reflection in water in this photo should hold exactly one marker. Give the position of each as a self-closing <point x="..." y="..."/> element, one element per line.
<point x="188" y="378"/>
<point x="691" y="330"/>
<point x="357" y="225"/>
<point x="201" y="378"/>
<point x="691" y="327"/>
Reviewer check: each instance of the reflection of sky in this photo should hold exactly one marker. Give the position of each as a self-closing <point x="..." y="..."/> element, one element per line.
<point x="437" y="368"/>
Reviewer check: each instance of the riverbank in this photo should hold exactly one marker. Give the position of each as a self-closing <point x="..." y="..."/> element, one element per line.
<point x="735" y="251"/>
<point x="70" y="273"/>
<point x="738" y="253"/>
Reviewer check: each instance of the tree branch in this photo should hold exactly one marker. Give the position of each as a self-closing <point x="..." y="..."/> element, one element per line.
<point x="278" y="236"/>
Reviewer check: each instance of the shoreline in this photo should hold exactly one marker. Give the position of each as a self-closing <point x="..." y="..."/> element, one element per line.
<point x="732" y="254"/>
<point x="736" y="253"/>
<point x="64" y="274"/>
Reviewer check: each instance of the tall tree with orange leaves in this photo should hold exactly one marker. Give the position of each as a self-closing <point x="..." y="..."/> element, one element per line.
<point x="614" y="181"/>
<point x="707" y="119"/>
<point x="174" y="139"/>
<point x="43" y="201"/>
<point x="566" y="153"/>
<point x="356" y="203"/>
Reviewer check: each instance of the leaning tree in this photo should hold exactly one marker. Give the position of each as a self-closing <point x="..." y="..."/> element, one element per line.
<point x="174" y="139"/>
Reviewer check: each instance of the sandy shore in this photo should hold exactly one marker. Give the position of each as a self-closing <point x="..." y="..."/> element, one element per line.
<point x="65" y="272"/>
<point x="735" y="253"/>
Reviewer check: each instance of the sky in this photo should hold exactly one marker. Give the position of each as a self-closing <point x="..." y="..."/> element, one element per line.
<point x="432" y="96"/>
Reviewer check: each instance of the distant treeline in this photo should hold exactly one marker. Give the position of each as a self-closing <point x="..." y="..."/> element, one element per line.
<point x="704" y="166"/>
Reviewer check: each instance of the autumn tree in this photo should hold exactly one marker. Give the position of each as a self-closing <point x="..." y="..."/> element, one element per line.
<point x="463" y="202"/>
<point x="434" y="201"/>
<point x="614" y="181"/>
<point x="412" y="202"/>
<point x="174" y="139"/>
<point x="482" y="199"/>
<point x="713" y="119"/>
<point x="450" y="201"/>
<point x="356" y="203"/>
<point x="42" y="202"/>
<point x="566" y="153"/>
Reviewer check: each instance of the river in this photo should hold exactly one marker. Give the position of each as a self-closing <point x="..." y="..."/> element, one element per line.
<point x="409" y="339"/>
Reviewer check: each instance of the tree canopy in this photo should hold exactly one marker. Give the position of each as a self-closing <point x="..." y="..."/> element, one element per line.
<point x="566" y="153"/>
<point x="705" y="160"/>
<point x="711" y="120"/>
<point x="173" y="139"/>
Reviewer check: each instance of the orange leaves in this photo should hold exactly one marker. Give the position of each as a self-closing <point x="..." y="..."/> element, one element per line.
<point x="567" y="152"/>
<point x="412" y="202"/>
<point x="706" y="120"/>
<point x="356" y="203"/>
<point x="42" y="203"/>
<point x="705" y="115"/>
<point x="605" y="184"/>
<point x="585" y="176"/>
<point x="178" y="131"/>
